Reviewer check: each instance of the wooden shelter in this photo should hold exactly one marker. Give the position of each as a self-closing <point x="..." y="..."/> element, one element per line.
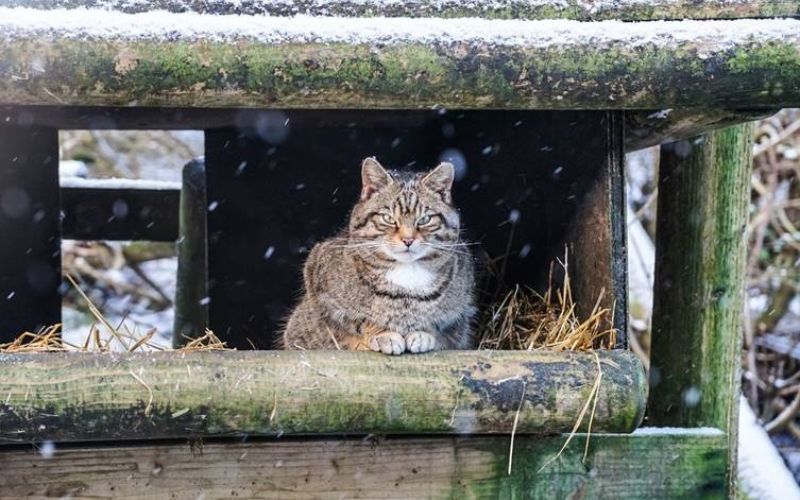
<point x="540" y="99"/>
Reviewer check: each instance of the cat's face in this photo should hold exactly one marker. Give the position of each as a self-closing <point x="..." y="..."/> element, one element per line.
<point x="405" y="216"/>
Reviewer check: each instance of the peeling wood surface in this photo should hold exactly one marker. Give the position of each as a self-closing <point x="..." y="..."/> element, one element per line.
<point x="682" y="465"/>
<point x="581" y="10"/>
<point x="282" y="62"/>
<point x="78" y="397"/>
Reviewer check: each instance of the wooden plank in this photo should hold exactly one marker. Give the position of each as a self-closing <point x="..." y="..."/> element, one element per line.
<point x="104" y="58"/>
<point x="580" y="10"/>
<point x="685" y="464"/>
<point x="98" y="210"/>
<point x="30" y="243"/>
<point x="519" y="189"/>
<point x="704" y="188"/>
<point x="79" y="396"/>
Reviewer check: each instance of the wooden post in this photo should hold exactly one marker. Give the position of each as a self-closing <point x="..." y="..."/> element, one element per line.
<point x="30" y="230"/>
<point x="700" y="272"/>
<point x="191" y="294"/>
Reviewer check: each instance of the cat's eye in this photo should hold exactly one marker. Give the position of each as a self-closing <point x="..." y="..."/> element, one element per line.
<point x="387" y="219"/>
<point x="423" y="220"/>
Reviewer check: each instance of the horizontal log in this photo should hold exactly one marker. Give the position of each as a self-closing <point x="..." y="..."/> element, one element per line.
<point x="680" y="464"/>
<point x="78" y="397"/>
<point x="71" y="57"/>
<point x="581" y="10"/>
<point x="114" y="211"/>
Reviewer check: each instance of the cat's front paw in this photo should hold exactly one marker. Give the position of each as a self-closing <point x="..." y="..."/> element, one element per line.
<point x="388" y="343"/>
<point x="417" y="342"/>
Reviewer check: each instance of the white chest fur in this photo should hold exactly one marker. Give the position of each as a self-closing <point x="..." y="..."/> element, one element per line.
<point x="411" y="276"/>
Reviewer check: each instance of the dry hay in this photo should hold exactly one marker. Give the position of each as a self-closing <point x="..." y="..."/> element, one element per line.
<point x="116" y="338"/>
<point x="525" y="319"/>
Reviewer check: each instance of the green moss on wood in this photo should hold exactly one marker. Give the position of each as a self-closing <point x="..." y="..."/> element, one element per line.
<point x="335" y="75"/>
<point x="684" y="464"/>
<point x="81" y="396"/>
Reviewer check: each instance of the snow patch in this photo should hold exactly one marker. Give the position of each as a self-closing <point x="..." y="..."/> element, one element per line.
<point x="680" y="431"/>
<point x="91" y="24"/>
<point x="113" y="183"/>
<point x="762" y="472"/>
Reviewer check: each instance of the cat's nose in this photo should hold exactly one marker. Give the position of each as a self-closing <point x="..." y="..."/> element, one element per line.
<point x="408" y="241"/>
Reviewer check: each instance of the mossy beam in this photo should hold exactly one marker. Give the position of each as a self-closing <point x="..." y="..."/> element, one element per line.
<point x="701" y="243"/>
<point x="682" y="464"/>
<point x="76" y="397"/>
<point x="528" y="66"/>
<point x="581" y="10"/>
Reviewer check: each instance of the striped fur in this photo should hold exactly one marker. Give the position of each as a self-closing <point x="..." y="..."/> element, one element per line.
<point x="397" y="279"/>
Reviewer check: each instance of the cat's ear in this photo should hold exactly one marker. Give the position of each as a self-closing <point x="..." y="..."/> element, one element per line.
<point x="373" y="178"/>
<point x="440" y="180"/>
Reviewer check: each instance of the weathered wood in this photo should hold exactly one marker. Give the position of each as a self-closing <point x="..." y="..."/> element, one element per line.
<point x="30" y="244"/>
<point x="73" y="58"/>
<point x="683" y="464"/>
<point x="76" y="396"/>
<point x="191" y="293"/>
<point x="581" y="10"/>
<point x="645" y="128"/>
<point x="100" y="210"/>
<point x="700" y="270"/>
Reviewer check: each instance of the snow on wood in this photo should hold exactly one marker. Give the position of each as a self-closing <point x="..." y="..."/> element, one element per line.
<point x="100" y="24"/>
<point x="97" y="57"/>
<point x="81" y="183"/>
<point x="624" y="10"/>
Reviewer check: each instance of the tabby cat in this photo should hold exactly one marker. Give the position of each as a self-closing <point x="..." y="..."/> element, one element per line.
<point x="397" y="279"/>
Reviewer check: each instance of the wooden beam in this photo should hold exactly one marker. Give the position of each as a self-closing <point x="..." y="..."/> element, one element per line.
<point x="78" y="57"/>
<point x="651" y="128"/>
<point x="133" y="210"/>
<point x="704" y="188"/>
<point x="643" y="128"/>
<point x="581" y="10"/>
<point x="680" y="464"/>
<point x="77" y="397"/>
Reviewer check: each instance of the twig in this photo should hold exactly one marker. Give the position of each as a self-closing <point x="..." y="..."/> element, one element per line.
<point x="784" y="417"/>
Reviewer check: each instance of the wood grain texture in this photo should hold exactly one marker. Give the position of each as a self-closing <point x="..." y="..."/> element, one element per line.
<point x="78" y="397"/>
<point x="704" y="189"/>
<point x="687" y="464"/>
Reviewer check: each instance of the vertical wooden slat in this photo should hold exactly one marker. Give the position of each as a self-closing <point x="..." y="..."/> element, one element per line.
<point x="191" y="294"/>
<point x="700" y="272"/>
<point x="596" y="237"/>
<point x="30" y="230"/>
